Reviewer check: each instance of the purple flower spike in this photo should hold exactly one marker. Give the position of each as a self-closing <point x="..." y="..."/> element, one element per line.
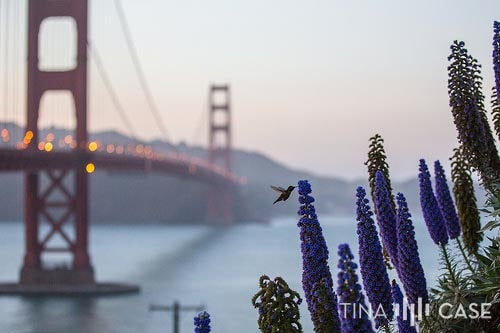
<point x="496" y="57"/>
<point x="202" y="323"/>
<point x="351" y="298"/>
<point x="445" y="202"/>
<point x="315" y="259"/>
<point x="430" y="209"/>
<point x="375" y="278"/>
<point x="410" y="270"/>
<point x="386" y="217"/>
<point x="495" y="103"/>
<point x="403" y="325"/>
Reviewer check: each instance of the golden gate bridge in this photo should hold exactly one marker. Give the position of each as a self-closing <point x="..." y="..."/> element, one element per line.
<point x="57" y="170"/>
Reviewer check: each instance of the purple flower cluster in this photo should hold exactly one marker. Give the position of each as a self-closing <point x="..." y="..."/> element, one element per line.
<point x="314" y="253"/>
<point x="375" y="278"/>
<point x="403" y="325"/>
<point x="445" y="202"/>
<point x="202" y="323"/>
<point x="430" y="209"/>
<point x="386" y="216"/>
<point x="495" y="103"/>
<point x="410" y="270"/>
<point x="496" y="57"/>
<point x="350" y="293"/>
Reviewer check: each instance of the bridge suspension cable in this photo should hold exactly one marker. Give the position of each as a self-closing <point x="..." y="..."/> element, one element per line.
<point x="202" y="121"/>
<point x="109" y="88"/>
<point x="140" y="73"/>
<point x="15" y="62"/>
<point x="6" y="61"/>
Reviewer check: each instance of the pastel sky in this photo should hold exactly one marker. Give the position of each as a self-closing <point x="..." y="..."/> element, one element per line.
<point x="311" y="80"/>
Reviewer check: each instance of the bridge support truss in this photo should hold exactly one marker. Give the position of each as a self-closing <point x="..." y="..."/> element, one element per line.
<point x="56" y="201"/>
<point x="220" y="205"/>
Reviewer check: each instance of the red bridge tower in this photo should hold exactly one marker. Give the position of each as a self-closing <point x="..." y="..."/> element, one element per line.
<point x="61" y="202"/>
<point x="220" y="205"/>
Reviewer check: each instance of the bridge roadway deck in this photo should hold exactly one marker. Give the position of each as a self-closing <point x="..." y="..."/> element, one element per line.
<point x="182" y="166"/>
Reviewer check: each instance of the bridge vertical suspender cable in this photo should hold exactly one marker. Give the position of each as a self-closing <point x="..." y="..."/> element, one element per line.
<point x="140" y="73"/>
<point x="1" y="50"/>
<point x="6" y="61"/>
<point x="109" y="88"/>
<point x="15" y="62"/>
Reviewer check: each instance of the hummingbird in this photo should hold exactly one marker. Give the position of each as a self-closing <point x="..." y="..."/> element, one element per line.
<point x="284" y="194"/>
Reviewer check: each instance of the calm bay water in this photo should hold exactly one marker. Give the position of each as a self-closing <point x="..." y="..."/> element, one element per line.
<point x="195" y="265"/>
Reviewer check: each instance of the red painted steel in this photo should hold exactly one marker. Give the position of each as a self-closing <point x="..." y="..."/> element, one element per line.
<point x="57" y="181"/>
<point x="220" y="206"/>
<point x="39" y="208"/>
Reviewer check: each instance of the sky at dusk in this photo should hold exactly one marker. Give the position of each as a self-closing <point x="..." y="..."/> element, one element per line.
<point x="311" y="80"/>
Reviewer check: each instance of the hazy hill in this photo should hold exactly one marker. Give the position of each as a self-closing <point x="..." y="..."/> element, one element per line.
<point x="146" y="198"/>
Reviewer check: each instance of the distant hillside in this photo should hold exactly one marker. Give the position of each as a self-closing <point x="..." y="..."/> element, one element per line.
<point x="147" y="198"/>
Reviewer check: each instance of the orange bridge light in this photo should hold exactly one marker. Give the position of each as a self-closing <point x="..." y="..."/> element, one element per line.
<point x="90" y="167"/>
<point x="48" y="146"/>
<point x="93" y="146"/>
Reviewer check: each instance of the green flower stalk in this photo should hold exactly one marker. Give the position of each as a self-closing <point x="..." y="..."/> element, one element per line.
<point x="377" y="162"/>
<point x="469" y="114"/>
<point x="465" y="200"/>
<point x="492" y="160"/>
<point x="324" y="316"/>
<point x="278" y="306"/>
<point x="495" y="112"/>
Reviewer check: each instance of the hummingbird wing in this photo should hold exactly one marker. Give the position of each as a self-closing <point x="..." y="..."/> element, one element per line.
<point x="278" y="189"/>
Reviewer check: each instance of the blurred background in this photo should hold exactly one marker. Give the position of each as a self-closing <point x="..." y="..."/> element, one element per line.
<point x="192" y="110"/>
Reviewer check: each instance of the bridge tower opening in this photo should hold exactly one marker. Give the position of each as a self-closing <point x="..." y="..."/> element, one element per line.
<point x="57" y="199"/>
<point x="220" y="205"/>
